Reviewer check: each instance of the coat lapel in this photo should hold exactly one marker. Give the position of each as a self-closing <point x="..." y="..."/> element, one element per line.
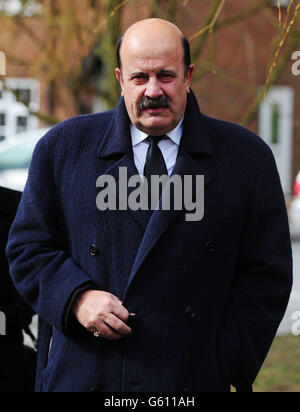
<point x="116" y="149"/>
<point x="195" y="142"/>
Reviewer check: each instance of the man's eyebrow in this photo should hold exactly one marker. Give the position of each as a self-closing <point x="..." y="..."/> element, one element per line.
<point x="140" y="74"/>
<point x="167" y="71"/>
<point x="160" y="73"/>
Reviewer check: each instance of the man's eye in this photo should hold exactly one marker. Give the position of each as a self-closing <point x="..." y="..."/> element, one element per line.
<point x="166" y="76"/>
<point x="139" y="77"/>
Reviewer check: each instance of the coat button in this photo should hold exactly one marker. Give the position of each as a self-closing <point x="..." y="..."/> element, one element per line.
<point x="189" y="313"/>
<point x="94" y="251"/>
<point x="210" y="246"/>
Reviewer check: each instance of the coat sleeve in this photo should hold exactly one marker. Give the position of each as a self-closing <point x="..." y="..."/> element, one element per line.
<point x="263" y="283"/>
<point x="43" y="271"/>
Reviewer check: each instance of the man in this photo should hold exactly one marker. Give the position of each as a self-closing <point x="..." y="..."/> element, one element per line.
<point x="138" y="300"/>
<point x="17" y="371"/>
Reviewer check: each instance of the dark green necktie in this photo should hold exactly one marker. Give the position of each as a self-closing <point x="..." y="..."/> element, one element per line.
<point x="155" y="163"/>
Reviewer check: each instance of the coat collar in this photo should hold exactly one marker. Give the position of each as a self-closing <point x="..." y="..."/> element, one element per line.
<point x="117" y="139"/>
<point x="195" y="137"/>
<point x="116" y="147"/>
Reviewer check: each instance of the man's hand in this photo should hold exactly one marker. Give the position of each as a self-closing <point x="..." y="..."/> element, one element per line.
<point x="101" y="312"/>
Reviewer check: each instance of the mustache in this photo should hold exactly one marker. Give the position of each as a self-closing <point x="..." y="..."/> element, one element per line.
<point x="149" y="103"/>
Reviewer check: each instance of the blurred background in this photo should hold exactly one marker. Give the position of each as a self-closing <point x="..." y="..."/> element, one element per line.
<point x="57" y="60"/>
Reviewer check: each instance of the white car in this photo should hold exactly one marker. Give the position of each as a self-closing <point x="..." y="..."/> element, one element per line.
<point x="15" y="158"/>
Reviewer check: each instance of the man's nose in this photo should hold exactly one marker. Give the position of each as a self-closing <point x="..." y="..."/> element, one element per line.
<point x="153" y="89"/>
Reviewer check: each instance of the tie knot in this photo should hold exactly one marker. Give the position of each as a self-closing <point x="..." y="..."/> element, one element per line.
<point x="156" y="139"/>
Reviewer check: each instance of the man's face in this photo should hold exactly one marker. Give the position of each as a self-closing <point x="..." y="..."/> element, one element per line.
<point x="153" y="81"/>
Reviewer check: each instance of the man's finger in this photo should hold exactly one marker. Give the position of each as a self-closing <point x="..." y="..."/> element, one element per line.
<point x="116" y="297"/>
<point x="106" y="332"/>
<point x="121" y="312"/>
<point x="117" y="325"/>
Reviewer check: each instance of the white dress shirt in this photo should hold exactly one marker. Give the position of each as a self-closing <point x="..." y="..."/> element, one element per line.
<point x="169" y="147"/>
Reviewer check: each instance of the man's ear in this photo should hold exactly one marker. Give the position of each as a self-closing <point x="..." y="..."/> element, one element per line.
<point x="189" y="77"/>
<point x="119" y="78"/>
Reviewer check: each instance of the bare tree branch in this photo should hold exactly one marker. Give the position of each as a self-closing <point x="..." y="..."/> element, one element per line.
<point x="276" y="73"/>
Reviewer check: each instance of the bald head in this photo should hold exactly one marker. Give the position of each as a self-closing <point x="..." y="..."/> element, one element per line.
<point x="150" y="31"/>
<point x="153" y="25"/>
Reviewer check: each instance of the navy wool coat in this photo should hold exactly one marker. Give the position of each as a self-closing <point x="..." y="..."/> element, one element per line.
<point x="209" y="295"/>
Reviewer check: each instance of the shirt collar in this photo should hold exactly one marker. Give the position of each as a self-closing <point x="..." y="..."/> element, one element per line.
<point x="137" y="136"/>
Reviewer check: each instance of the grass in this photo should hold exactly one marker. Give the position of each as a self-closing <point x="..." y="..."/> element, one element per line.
<point x="281" y="370"/>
